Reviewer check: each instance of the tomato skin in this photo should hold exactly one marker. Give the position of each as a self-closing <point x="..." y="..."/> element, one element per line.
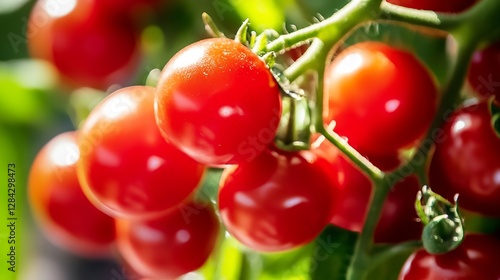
<point x="59" y="205"/>
<point x="442" y="6"/>
<point x="484" y="72"/>
<point x="171" y="245"/>
<point x="87" y="47"/>
<point x="127" y="169"/>
<point x="352" y="194"/>
<point x="476" y="258"/>
<point x="278" y="201"/>
<point x="400" y="96"/>
<point x="467" y="161"/>
<point x="218" y="102"/>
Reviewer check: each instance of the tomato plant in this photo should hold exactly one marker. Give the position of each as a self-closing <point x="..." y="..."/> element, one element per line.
<point x="444" y="6"/>
<point x="233" y="122"/>
<point x="484" y="72"/>
<point x="467" y="160"/>
<point x="218" y="102"/>
<point x="278" y="201"/>
<point x="75" y="36"/>
<point x="476" y="258"/>
<point x="58" y="202"/>
<point x="126" y="168"/>
<point x="171" y="245"/>
<point x="401" y="96"/>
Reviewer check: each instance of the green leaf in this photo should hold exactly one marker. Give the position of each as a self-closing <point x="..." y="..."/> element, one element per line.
<point x="332" y="254"/>
<point x="285" y="264"/>
<point x="26" y="95"/>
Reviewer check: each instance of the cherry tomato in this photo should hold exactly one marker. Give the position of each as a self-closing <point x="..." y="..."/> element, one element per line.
<point x="381" y="98"/>
<point x="476" y="258"/>
<point x="484" y="72"/>
<point x="218" y="102"/>
<point x="171" y="245"/>
<point x="466" y="160"/>
<point x="278" y="201"/>
<point x="59" y="205"/>
<point x="126" y="166"/>
<point x="443" y="6"/>
<point x="86" y="46"/>
<point x="352" y="193"/>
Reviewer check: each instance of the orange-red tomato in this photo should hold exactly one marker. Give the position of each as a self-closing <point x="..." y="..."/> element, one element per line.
<point x="59" y="205"/>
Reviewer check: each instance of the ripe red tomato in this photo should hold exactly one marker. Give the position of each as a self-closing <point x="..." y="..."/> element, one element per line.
<point x="484" y="72"/>
<point x="218" y="102"/>
<point x="126" y="166"/>
<point x="278" y="201"/>
<point x="467" y="160"/>
<point x="171" y="245"/>
<point x="476" y="258"/>
<point x="381" y="98"/>
<point x="86" y="46"/>
<point x="352" y="193"/>
<point x="59" y="205"/>
<point x="443" y="6"/>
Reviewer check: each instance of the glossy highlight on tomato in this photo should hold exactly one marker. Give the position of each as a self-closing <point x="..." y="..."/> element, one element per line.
<point x="442" y="6"/>
<point x="218" y="102"/>
<point x="169" y="246"/>
<point x="476" y="258"/>
<point x="127" y="168"/>
<point x="381" y="98"/>
<point x="88" y="47"/>
<point x="278" y="201"/>
<point x="467" y="160"/>
<point x="59" y="204"/>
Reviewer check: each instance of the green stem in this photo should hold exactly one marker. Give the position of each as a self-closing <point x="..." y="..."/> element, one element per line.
<point x="444" y="22"/>
<point x="309" y="60"/>
<point x="359" y="160"/>
<point x="360" y="260"/>
<point x="476" y="20"/>
<point x="331" y="29"/>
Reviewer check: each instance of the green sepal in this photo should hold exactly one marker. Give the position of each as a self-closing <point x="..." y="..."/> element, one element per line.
<point x="443" y="224"/>
<point x="210" y="26"/>
<point x="242" y="33"/>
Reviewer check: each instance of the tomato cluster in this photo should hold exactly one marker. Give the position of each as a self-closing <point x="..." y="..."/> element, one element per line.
<point x="129" y="177"/>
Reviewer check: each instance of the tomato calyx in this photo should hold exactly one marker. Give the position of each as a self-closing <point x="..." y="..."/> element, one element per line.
<point x="443" y="224"/>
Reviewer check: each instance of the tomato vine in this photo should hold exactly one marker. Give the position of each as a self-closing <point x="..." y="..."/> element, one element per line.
<point x="468" y="29"/>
